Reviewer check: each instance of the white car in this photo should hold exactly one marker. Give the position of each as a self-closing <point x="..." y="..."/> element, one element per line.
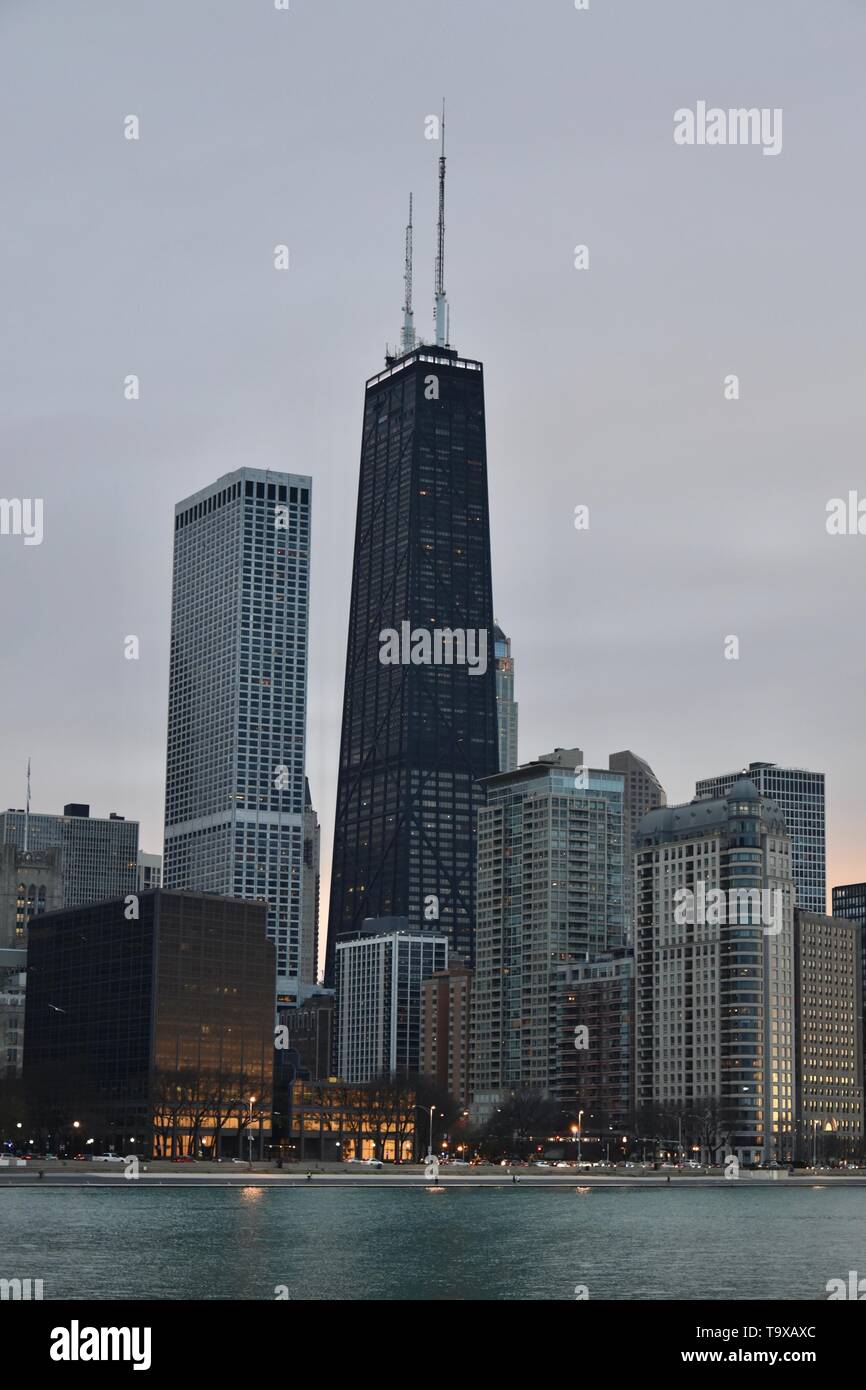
<point x="107" y="1158"/>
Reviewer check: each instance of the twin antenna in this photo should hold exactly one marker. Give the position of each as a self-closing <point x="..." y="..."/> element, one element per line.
<point x="407" y="336"/>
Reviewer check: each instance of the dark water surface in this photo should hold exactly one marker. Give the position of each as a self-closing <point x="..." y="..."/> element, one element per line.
<point x="223" y="1243"/>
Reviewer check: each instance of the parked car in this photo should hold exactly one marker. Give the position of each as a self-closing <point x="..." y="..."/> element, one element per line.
<point x="183" y="1158"/>
<point x="106" y="1158"/>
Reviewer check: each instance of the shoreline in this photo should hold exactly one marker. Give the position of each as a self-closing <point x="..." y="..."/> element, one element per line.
<point x="410" y="1176"/>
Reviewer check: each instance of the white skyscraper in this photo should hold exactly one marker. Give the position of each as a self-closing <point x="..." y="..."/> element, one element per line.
<point x="234" y="813"/>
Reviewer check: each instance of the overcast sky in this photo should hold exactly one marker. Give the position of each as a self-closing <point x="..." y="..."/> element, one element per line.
<point x="605" y="387"/>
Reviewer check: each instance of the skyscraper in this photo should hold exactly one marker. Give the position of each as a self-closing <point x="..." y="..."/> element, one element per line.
<point x="829" y="1030"/>
<point x="506" y="705"/>
<point x="714" y="940"/>
<point x="643" y="792"/>
<point x="419" y="709"/>
<point x="550" y="890"/>
<point x="149" y="871"/>
<point x="310" y="894"/>
<point x="801" y="797"/>
<point x="595" y="1040"/>
<point x="849" y="901"/>
<point x="98" y="855"/>
<point x="234" y="808"/>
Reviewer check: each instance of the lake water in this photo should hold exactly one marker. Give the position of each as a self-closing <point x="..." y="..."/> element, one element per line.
<point x="242" y="1243"/>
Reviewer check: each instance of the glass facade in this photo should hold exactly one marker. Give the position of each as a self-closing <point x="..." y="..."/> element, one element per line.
<point x="153" y="1033"/>
<point x="416" y="737"/>
<point x="550" y="890"/>
<point x="506" y="705"/>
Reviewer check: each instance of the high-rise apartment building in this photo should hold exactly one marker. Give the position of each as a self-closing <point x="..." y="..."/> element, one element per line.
<point x="379" y="973"/>
<point x="849" y="901"/>
<point x="550" y="891"/>
<point x="419" y="711"/>
<point x="446" y="1023"/>
<point x="643" y="792"/>
<point x="800" y="794"/>
<point x="714" y="941"/>
<point x="98" y="856"/>
<point x="506" y="705"/>
<point x="595" y="1041"/>
<point x="310" y="895"/>
<point x="829" y="1027"/>
<point x="234" y="810"/>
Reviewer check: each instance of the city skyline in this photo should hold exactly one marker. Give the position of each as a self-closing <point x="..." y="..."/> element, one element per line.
<point x="626" y="369"/>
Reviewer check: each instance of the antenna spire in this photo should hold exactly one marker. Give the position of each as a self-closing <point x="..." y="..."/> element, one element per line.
<point x="408" y="334"/>
<point x="27" y="812"/>
<point x="441" y="314"/>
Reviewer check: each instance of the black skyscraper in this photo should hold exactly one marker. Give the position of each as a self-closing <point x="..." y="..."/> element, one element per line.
<point x="416" y="738"/>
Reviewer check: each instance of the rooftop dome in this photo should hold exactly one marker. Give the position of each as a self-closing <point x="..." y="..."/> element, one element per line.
<point x="744" y="790"/>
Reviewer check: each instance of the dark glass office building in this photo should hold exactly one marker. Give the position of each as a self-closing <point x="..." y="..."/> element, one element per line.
<point x="419" y="714"/>
<point x="155" y="1033"/>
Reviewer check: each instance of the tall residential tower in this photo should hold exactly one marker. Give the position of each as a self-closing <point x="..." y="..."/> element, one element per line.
<point x="550" y="891"/>
<point x="714" y="943"/>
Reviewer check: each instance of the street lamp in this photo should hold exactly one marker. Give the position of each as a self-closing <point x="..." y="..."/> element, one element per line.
<point x="432" y="1110"/>
<point x="250" y="1133"/>
<point x="579" y="1132"/>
